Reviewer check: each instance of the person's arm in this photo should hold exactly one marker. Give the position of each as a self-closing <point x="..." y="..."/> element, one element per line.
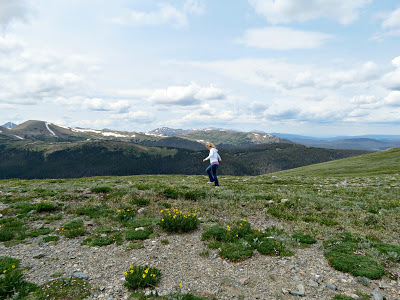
<point x="219" y="157"/>
<point x="209" y="156"/>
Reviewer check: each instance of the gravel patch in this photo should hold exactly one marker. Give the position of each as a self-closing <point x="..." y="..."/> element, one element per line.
<point x="306" y="275"/>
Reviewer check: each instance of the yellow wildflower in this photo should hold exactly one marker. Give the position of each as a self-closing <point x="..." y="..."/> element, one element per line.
<point x="13" y="266"/>
<point x="146" y="271"/>
<point x="5" y="271"/>
<point x="125" y="273"/>
<point x="144" y="275"/>
<point x="180" y="285"/>
<point x="131" y="271"/>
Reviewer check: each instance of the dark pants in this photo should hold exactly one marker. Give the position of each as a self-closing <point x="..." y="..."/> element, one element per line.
<point x="212" y="173"/>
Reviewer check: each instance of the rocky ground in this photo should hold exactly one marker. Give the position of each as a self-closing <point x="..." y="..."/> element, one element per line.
<point x="184" y="261"/>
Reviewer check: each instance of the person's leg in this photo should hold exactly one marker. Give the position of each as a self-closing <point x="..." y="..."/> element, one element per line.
<point x="214" y="173"/>
<point x="208" y="170"/>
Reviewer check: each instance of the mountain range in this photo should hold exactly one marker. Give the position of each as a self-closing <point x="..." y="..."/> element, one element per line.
<point x="40" y="149"/>
<point x="192" y="139"/>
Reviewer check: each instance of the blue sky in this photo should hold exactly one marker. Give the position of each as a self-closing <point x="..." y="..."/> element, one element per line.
<point x="313" y="67"/>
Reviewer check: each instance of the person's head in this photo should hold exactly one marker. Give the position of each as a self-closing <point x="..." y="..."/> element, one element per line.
<point x="210" y="145"/>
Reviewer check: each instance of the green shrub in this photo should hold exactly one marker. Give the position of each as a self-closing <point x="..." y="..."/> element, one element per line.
<point x="236" y="251"/>
<point x="125" y="216"/>
<point x="195" y="195"/>
<point x="50" y="238"/>
<point x="174" y="220"/>
<point x="11" y="279"/>
<point x="74" y="228"/>
<point x="39" y="232"/>
<point x="342" y="297"/>
<point x="243" y="240"/>
<point x="171" y="193"/>
<point x="304" y="238"/>
<point x="344" y="254"/>
<point x="133" y="234"/>
<point x="139" y="201"/>
<point x="101" y="189"/>
<point x="12" y="228"/>
<point x="99" y="240"/>
<point x="63" y="288"/>
<point x="45" y="206"/>
<point x="142" y="277"/>
<point x="93" y="211"/>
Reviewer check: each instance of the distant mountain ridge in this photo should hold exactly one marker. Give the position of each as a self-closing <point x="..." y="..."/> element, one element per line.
<point x="161" y="137"/>
<point x="9" y="125"/>
<point x="192" y="139"/>
<point x="363" y="142"/>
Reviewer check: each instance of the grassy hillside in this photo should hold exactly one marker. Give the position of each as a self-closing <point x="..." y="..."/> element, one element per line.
<point x="384" y="162"/>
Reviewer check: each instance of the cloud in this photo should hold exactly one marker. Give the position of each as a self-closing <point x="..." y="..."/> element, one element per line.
<point x="186" y="95"/>
<point x="283" y="38"/>
<point x="12" y="10"/>
<point x="287" y="11"/>
<point x="165" y="14"/>
<point x="393" y="99"/>
<point x="280" y="76"/>
<point x="99" y="104"/>
<point x="138" y="116"/>
<point x="391" y="23"/>
<point x="9" y="44"/>
<point x="392" y="79"/>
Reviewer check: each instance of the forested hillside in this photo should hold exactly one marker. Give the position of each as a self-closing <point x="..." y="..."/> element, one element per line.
<point x="26" y="159"/>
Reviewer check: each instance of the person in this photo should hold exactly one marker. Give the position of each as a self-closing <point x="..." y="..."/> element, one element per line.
<point x="214" y="162"/>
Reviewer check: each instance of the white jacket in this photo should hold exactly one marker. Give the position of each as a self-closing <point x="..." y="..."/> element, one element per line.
<point x="214" y="156"/>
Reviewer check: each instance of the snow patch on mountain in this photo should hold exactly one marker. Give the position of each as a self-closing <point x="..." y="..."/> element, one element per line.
<point x="51" y="131"/>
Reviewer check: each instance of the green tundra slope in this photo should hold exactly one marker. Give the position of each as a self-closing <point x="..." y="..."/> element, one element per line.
<point x="384" y="162"/>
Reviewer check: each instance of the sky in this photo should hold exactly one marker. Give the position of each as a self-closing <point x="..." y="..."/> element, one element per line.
<point x="310" y="67"/>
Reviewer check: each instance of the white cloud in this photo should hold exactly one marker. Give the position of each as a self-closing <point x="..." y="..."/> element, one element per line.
<point x="280" y="76"/>
<point x="11" y="10"/>
<point x="392" y="21"/>
<point x="165" y="14"/>
<point x="393" y="99"/>
<point x="99" y="104"/>
<point x="283" y="38"/>
<point x="185" y="95"/>
<point x="287" y="11"/>
<point x="138" y="116"/>
<point x="10" y="43"/>
<point x="392" y="79"/>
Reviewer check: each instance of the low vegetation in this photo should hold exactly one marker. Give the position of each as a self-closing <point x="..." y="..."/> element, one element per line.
<point x="354" y="216"/>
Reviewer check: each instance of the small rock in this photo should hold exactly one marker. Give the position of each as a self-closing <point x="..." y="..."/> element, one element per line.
<point x="141" y="210"/>
<point x="139" y="228"/>
<point x="296" y="278"/>
<point x="376" y="295"/>
<point x="39" y="255"/>
<point x="300" y="292"/>
<point x="103" y="235"/>
<point x="80" y="275"/>
<point x="318" y="278"/>
<point x="284" y="200"/>
<point x="312" y="283"/>
<point x="383" y="285"/>
<point x="331" y="286"/>
<point x="243" y="280"/>
<point x="271" y="202"/>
